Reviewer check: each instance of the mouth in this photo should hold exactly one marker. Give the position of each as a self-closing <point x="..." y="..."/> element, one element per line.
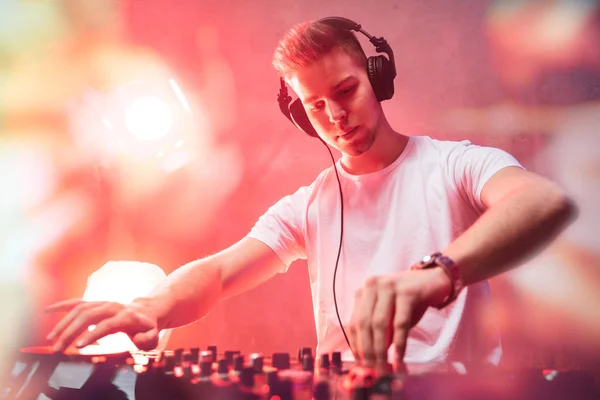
<point x="348" y="134"/>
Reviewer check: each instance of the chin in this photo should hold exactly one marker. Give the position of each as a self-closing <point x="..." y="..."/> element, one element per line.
<point x="354" y="151"/>
<point x="360" y="146"/>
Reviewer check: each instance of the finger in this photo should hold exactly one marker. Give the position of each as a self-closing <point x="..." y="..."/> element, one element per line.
<point x="81" y="323"/>
<point x="65" y="305"/>
<point x="103" y="328"/>
<point x="383" y="315"/>
<point x="366" y="350"/>
<point x="146" y="340"/>
<point x="402" y="320"/>
<point x="123" y="321"/>
<point x="352" y="332"/>
<point x="69" y="318"/>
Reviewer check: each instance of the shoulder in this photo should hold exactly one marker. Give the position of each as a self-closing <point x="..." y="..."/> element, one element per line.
<point x="441" y="146"/>
<point x="428" y="146"/>
<point x="323" y="179"/>
<point x="460" y="151"/>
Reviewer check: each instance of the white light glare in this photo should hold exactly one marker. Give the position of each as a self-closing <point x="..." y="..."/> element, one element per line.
<point x="179" y="94"/>
<point x="149" y="118"/>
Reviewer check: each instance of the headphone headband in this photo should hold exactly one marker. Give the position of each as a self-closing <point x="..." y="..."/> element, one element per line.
<point x="381" y="45"/>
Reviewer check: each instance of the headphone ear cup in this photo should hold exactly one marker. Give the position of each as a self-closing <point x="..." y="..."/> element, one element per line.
<point x="300" y="118"/>
<point x="379" y="71"/>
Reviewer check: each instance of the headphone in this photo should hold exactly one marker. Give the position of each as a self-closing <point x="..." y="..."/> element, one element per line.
<point x="381" y="72"/>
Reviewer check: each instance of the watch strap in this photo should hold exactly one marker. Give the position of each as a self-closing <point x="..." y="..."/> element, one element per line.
<point x="450" y="268"/>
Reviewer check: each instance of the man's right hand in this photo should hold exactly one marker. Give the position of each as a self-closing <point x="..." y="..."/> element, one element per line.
<point x="137" y="320"/>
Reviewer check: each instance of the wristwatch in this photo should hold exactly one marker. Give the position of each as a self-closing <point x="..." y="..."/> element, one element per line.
<point x="450" y="268"/>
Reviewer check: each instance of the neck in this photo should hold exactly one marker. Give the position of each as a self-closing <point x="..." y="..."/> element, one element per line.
<point x="386" y="149"/>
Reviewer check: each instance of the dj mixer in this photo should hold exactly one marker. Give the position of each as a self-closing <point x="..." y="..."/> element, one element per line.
<point x="210" y="374"/>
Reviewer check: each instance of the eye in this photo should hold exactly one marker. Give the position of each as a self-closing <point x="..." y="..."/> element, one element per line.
<point x="316" y="106"/>
<point x="346" y="91"/>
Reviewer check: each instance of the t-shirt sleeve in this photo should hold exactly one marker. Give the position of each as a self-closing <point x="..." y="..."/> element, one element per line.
<point x="282" y="227"/>
<point x="472" y="166"/>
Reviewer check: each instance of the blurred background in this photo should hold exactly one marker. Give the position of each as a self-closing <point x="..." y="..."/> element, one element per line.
<point x="149" y="130"/>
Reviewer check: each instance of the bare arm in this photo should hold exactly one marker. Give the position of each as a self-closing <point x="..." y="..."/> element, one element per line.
<point x="184" y="297"/>
<point x="192" y="290"/>
<point x="525" y="212"/>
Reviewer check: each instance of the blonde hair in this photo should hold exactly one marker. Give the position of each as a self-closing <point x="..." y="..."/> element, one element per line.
<point x="308" y="42"/>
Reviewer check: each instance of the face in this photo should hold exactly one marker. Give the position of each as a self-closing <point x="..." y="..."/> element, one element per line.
<point x="340" y="102"/>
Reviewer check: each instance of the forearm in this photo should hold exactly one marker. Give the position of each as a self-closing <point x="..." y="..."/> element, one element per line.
<point x="193" y="289"/>
<point x="514" y="229"/>
<point x="187" y="294"/>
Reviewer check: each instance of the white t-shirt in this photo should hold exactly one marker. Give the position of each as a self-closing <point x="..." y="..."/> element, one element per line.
<point x="392" y="219"/>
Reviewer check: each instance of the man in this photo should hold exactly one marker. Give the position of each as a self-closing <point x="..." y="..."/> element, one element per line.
<point x="404" y="198"/>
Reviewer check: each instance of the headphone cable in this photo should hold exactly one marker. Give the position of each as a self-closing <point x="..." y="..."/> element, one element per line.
<point x="340" y="246"/>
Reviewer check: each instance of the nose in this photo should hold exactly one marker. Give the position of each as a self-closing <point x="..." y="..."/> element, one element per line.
<point x="336" y="112"/>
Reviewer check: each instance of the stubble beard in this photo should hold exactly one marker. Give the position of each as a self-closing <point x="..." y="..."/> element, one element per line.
<point x="361" y="146"/>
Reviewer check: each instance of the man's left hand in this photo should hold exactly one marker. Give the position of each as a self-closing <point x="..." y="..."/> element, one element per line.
<point x="387" y="307"/>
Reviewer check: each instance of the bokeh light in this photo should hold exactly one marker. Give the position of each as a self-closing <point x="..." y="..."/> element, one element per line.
<point x="149" y="118"/>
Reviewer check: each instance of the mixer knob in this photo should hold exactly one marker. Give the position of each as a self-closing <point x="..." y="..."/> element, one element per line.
<point x="179" y="356"/>
<point x="281" y="360"/>
<point x="336" y="359"/>
<point x="230" y="354"/>
<point x="238" y="363"/>
<point x="187" y="372"/>
<point x="205" y="369"/>
<point x="321" y="391"/>
<point x="361" y="380"/>
<point x="206" y="355"/>
<point x="169" y="362"/>
<point x="256" y="360"/>
<point x="214" y="351"/>
<point x="308" y="363"/>
<point x="324" y="361"/>
<point x="271" y="378"/>
<point x="247" y="377"/>
<point x="151" y="362"/>
<point x="163" y="355"/>
<point x="223" y="367"/>
<point x="302" y="352"/>
<point x="193" y="357"/>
